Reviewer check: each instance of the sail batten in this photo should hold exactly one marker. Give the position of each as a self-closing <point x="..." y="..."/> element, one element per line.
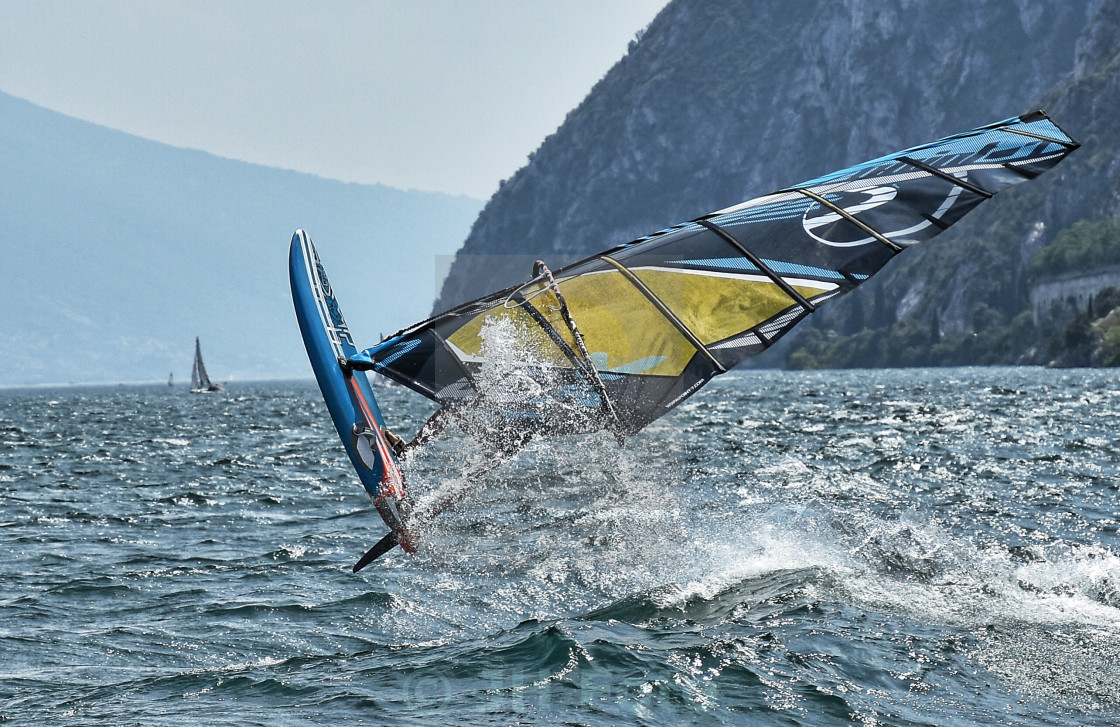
<point x="946" y="176"/>
<point x="665" y="310"/>
<point x="661" y="315"/>
<point x="760" y="264"/>
<point x="1068" y="144"/>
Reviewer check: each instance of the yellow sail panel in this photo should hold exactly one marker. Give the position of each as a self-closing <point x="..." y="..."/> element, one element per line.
<point x="716" y="306"/>
<point x="528" y="337"/>
<point x="622" y="329"/>
<point x="547" y="306"/>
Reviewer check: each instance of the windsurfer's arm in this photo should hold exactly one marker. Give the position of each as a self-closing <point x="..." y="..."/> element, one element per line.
<point x="436" y="423"/>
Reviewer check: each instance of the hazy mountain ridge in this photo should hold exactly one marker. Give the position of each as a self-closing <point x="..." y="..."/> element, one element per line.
<point x="120" y="250"/>
<point x="717" y="103"/>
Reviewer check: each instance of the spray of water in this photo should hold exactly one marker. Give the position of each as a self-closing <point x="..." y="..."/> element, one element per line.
<point x="583" y="522"/>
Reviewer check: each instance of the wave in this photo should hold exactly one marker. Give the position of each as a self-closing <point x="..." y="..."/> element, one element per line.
<point x="716" y="599"/>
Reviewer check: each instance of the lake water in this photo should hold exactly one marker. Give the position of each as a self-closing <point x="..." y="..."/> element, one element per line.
<point x="919" y="547"/>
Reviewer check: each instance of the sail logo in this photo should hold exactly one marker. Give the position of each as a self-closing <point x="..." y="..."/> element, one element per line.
<point x="820" y="221"/>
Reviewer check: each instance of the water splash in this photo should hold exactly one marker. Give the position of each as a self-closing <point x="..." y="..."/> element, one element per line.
<point x="880" y="547"/>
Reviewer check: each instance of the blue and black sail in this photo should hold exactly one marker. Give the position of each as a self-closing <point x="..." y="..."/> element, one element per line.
<point x="620" y="338"/>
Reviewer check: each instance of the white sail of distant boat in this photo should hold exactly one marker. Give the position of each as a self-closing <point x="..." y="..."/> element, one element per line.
<point x="171" y="379"/>
<point x="200" y="380"/>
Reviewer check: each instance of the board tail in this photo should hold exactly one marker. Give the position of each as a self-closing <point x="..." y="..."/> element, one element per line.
<point x="347" y="393"/>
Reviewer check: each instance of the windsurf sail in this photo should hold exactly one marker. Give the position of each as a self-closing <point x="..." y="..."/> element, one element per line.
<point x="620" y="338"/>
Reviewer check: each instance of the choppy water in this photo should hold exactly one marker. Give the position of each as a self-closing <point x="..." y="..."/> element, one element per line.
<point x="931" y="547"/>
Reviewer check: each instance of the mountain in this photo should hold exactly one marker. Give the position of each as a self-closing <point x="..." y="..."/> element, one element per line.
<point x="719" y="102"/>
<point x="118" y="251"/>
<point x="968" y="301"/>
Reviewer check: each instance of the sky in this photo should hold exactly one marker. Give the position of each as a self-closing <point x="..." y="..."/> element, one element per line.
<point x="435" y="95"/>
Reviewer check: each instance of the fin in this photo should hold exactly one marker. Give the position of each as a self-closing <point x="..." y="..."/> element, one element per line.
<point x="400" y="511"/>
<point x="383" y="546"/>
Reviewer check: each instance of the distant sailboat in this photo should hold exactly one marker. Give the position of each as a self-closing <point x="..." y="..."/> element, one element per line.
<point x="171" y="379"/>
<point x="200" y="381"/>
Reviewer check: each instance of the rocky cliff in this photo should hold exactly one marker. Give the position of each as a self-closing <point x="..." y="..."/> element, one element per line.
<point x="718" y="102"/>
<point x="966" y="299"/>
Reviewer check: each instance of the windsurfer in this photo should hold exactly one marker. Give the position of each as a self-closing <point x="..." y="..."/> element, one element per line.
<point x="435" y="425"/>
<point x="505" y="440"/>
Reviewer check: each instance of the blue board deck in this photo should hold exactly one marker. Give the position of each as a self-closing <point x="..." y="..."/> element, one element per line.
<point x="347" y="393"/>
